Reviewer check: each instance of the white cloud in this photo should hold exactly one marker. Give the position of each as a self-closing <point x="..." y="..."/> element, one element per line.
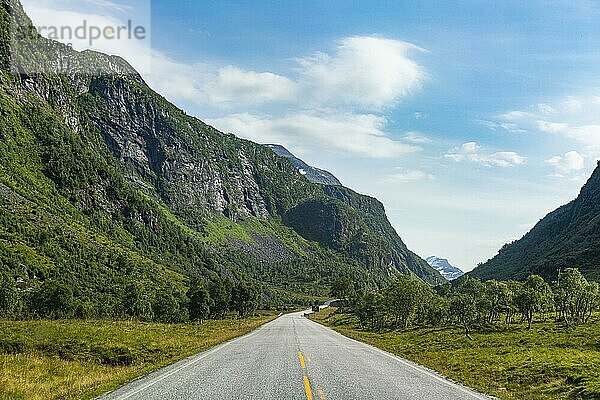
<point x="222" y="87"/>
<point x="232" y="84"/>
<point x="367" y="71"/>
<point x="407" y="175"/>
<point x="498" y="126"/>
<point x="363" y="71"/>
<point x="177" y="81"/>
<point x="573" y="104"/>
<point x="326" y="94"/>
<point x="516" y="115"/>
<point x="198" y="83"/>
<point x="570" y="162"/>
<point x="415" y="137"/>
<point x="357" y="134"/>
<point x="574" y="118"/>
<point x="545" y="109"/>
<point x="472" y="152"/>
<point x="552" y="127"/>
<point x="587" y="135"/>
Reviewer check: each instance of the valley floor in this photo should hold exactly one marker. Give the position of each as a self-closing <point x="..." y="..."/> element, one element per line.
<point x="547" y="362"/>
<point x="81" y="359"/>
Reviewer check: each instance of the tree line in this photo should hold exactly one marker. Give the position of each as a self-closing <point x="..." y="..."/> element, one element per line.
<point x="469" y="302"/>
<point x="203" y="300"/>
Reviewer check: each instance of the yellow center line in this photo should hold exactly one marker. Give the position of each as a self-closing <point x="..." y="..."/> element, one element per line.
<point x="302" y="360"/>
<point x="307" y="388"/>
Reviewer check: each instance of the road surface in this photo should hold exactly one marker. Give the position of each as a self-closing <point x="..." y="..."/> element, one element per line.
<point x="292" y="358"/>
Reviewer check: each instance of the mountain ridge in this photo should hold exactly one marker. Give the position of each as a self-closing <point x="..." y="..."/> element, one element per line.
<point x="109" y="168"/>
<point x="313" y="174"/>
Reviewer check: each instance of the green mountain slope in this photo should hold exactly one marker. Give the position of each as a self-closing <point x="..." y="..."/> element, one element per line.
<point x="568" y="237"/>
<point x="103" y="183"/>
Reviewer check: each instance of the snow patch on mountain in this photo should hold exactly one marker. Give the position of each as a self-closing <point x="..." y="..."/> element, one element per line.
<point x="444" y="267"/>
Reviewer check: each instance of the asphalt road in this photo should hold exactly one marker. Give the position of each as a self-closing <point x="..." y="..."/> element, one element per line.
<point x="293" y="358"/>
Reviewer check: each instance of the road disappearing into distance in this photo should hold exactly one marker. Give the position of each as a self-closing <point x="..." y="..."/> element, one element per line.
<point x="293" y="358"/>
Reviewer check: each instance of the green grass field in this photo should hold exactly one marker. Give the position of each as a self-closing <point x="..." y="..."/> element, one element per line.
<point x="547" y="362"/>
<point x="82" y="359"/>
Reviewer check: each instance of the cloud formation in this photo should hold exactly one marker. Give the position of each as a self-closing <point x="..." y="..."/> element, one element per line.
<point x="328" y="98"/>
<point x="334" y="100"/>
<point x="575" y="118"/>
<point x="359" y="134"/>
<point x="364" y="72"/>
<point x="367" y="71"/>
<point x="570" y="162"/>
<point x="403" y="175"/>
<point x="587" y="135"/>
<point x="472" y="152"/>
<point x="416" y="137"/>
<point x="231" y="84"/>
<point x="227" y="87"/>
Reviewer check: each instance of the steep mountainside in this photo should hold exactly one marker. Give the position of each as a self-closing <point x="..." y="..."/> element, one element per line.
<point x="567" y="237"/>
<point x="104" y="182"/>
<point x="313" y="174"/>
<point x="390" y="245"/>
<point x="444" y="267"/>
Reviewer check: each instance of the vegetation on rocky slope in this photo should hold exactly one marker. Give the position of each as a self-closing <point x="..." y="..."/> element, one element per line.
<point x="104" y="184"/>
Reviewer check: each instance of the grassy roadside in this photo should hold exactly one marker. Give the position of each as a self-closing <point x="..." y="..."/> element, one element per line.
<point x="548" y="362"/>
<point x="82" y="359"/>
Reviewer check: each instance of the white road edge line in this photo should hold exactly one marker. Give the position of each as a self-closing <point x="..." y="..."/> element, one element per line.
<point x="417" y="367"/>
<point x="193" y="360"/>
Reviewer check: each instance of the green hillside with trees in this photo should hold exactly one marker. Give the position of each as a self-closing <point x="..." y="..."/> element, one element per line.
<point x="115" y="203"/>
<point x="512" y="339"/>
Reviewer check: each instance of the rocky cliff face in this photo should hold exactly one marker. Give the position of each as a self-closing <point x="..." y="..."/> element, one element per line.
<point x="568" y="237"/>
<point x="186" y="163"/>
<point x="137" y="167"/>
<point x="374" y="217"/>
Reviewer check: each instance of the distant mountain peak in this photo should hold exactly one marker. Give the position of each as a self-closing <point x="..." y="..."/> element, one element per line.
<point x="313" y="174"/>
<point x="444" y="267"/>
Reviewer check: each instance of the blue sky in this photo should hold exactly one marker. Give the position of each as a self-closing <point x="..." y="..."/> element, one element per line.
<point x="470" y="120"/>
